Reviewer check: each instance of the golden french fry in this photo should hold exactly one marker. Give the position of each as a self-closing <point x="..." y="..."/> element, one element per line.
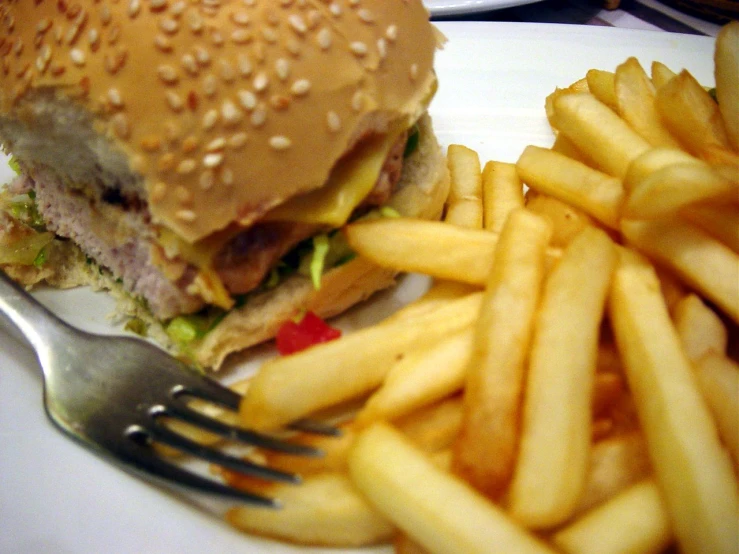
<point x="674" y="187"/>
<point x="565" y="146"/>
<point x="615" y="464"/>
<point x="485" y="451"/>
<point x="700" y="329"/>
<point x="403" y="544"/>
<point x="325" y="509"/>
<point x="635" y="103"/>
<point x="661" y="74"/>
<point x="718" y="377"/>
<point x="701" y="261"/>
<point x="380" y="465"/>
<point x="602" y="85"/>
<point x="596" y="193"/>
<point x="635" y="521"/>
<point x="692" y="116"/>
<point x="464" y="204"/>
<point x="502" y="191"/>
<point x="598" y="132"/>
<point x="726" y="60"/>
<point x="577" y="86"/>
<point x="719" y="221"/>
<point x="433" y="428"/>
<point x="567" y="220"/>
<point x="653" y="160"/>
<point x="449" y="252"/>
<point x="555" y="440"/>
<point x="691" y="467"/>
<point x="288" y="388"/>
<point x="419" y="379"/>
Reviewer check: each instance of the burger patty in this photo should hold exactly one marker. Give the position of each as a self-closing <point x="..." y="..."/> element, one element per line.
<point x="116" y="232"/>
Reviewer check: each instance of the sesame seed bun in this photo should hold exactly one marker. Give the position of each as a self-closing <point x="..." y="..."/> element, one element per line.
<point x="212" y="111"/>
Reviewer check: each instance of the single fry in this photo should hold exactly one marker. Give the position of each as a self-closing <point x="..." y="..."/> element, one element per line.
<point x="700" y="260"/>
<point x="567" y="221"/>
<point x="551" y="173"/>
<point x="692" y="116"/>
<point x="615" y="464"/>
<point x="577" y="86"/>
<point x="598" y="132"/>
<point x="677" y="186"/>
<point x="635" y="103"/>
<point x="700" y="329"/>
<point x="419" y="379"/>
<point x="603" y="86"/>
<point x="433" y="428"/>
<point x="382" y="462"/>
<point x="324" y="510"/>
<point x="485" y="451"/>
<point x="555" y="441"/>
<point x="654" y="160"/>
<point x="719" y="221"/>
<point x="718" y="377"/>
<point x="502" y="191"/>
<point x="726" y="60"/>
<point x="635" y="521"/>
<point x="449" y="252"/>
<point x="692" y="469"/>
<point x="288" y="388"/>
<point x="464" y="205"/>
<point x="661" y="74"/>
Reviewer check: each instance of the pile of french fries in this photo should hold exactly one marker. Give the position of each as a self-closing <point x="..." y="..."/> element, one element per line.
<point x="569" y="383"/>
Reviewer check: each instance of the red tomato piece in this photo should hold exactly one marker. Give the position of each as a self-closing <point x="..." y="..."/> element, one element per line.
<point x="293" y="337"/>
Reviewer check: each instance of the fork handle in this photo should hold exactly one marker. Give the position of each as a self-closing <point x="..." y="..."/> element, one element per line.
<point x="35" y="322"/>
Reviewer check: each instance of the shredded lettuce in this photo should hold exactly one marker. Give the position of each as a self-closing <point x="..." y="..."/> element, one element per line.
<point x="411" y="145"/>
<point x="14" y="165"/>
<point x="321" y="247"/>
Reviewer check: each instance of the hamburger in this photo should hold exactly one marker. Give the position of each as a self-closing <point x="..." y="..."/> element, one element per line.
<point x="198" y="158"/>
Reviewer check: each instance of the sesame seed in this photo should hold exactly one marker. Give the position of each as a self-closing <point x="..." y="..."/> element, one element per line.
<point x="188" y="216"/>
<point x="210" y="119"/>
<point x="358" y="48"/>
<point x="247" y="99"/>
<point x="227" y="177"/>
<point x="231" y="114"/>
<point x="227" y="71"/>
<point x="279" y="102"/>
<point x="44" y="57"/>
<point x="158" y="191"/>
<point x="167" y="74"/>
<point x="213" y="160"/>
<point x="238" y="140"/>
<point x="210" y="85"/>
<point x="190" y="144"/>
<point x="240" y="18"/>
<point x="207" y="179"/>
<point x="134" y="7"/>
<point x="282" y="68"/>
<point x="293" y="46"/>
<point x="245" y="65"/>
<point x="195" y="22"/>
<point x="392" y="33"/>
<point x="115" y="98"/>
<point x="324" y="38"/>
<point x="297" y="23"/>
<point x="366" y="15"/>
<point x="190" y="65"/>
<point x="186" y="166"/>
<point x="335" y="9"/>
<point x="358" y="101"/>
<point x="93" y="37"/>
<point x="178" y="9"/>
<point x="269" y="35"/>
<point x="77" y="56"/>
<point x="261" y="82"/>
<point x="259" y="116"/>
<point x="202" y="56"/>
<point x="241" y="36"/>
<point x="280" y="142"/>
<point x="174" y="101"/>
<point x="413" y="71"/>
<point x="105" y="15"/>
<point x="162" y="43"/>
<point x="216" y="145"/>
<point x="151" y="143"/>
<point x="43" y="25"/>
<point x="334" y="121"/>
<point x="169" y="25"/>
<point x="314" y="18"/>
<point x="121" y="127"/>
<point x="300" y="87"/>
<point x="157" y="5"/>
<point x="382" y="48"/>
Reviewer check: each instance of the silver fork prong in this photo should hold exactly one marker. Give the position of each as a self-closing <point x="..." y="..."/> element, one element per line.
<point x="159" y="433"/>
<point x="210" y="391"/>
<point x="314" y="427"/>
<point x="147" y="460"/>
<point x="231" y="432"/>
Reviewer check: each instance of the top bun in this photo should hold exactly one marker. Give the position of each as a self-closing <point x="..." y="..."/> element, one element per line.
<point x="210" y="111"/>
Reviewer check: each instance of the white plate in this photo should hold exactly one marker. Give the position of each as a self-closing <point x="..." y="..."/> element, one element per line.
<point x="56" y="497"/>
<point x="461" y="7"/>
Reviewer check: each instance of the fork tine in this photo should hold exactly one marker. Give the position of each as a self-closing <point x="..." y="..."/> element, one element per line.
<point x="183" y="413"/>
<point x="166" y="436"/>
<point x="210" y="391"/>
<point x="149" y="462"/>
<point x="314" y="427"/>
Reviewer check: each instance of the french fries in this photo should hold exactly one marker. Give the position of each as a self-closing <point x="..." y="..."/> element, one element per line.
<point x="381" y="464"/>
<point x="692" y="468"/>
<point x="590" y="393"/>
<point x="464" y="205"/>
<point x="555" y="434"/>
<point x="486" y="448"/>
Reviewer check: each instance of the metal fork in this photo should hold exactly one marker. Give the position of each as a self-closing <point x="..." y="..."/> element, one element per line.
<point x="113" y="395"/>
